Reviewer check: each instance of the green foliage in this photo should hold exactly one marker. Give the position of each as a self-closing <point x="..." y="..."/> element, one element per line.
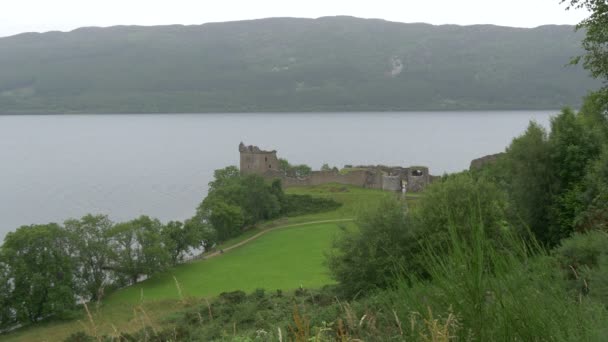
<point x="179" y="238"/>
<point x="497" y="294"/>
<point x="595" y="197"/>
<point x="234" y="201"/>
<point x="296" y="205"/>
<point x="326" y="64"/>
<point x="584" y="261"/>
<point x="552" y="179"/>
<point x="301" y="170"/>
<point x="370" y="257"/>
<point x="90" y="250"/>
<point x="529" y="179"/>
<point x="389" y="243"/>
<point x="595" y="43"/>
<point x="138" y="248"/>
<point x="476" y="292"/>
<point x="226" y="219"/>
<point x="41" y="269"/>
<point x="223" y="178"/>
<point x="575" y="143"/>
<point x="460" y="201"/>
<point x="6" y="291"/>
<point x="573" y="146"/>
<point x="284" y="165"/>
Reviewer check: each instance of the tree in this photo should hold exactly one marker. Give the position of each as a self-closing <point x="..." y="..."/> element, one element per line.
<point x="460" y="201"/>
<point x="530" y="179"/>
<point x="227" y="220"/>
<point x="573" y="147"/>
<point x="370" y="257"/>
<point x="223" y="177"/>
<point x="284" y="165"/>
<point x="325" y="167"/>
<point x="182" y="237"/>
<point x="6" y="294"/>
<point x="138" y="248"/>
<point x="258" y="200"/>
<point x="596" y="38"/>
<point x="90" y="247"/>
<point x="302" y="170"/>
<point x="595" y="197"/>
<point x="595" y="43"/>
<point x="42" y="271"/>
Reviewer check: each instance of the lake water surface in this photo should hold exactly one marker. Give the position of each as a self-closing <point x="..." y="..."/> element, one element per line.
<point x="54" y="167"/>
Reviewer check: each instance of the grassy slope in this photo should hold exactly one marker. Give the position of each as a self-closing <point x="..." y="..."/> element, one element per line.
<point x="281" y="259"/>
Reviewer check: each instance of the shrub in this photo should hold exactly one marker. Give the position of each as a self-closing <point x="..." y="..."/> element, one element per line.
<point x="295" y="205"/>
<point x="368" y="258"/>
<point x="508" y="294"/>
<point x="584" y="261"/>
<point x="460" y="201"/>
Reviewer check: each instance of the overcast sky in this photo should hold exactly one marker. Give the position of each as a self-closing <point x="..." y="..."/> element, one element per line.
<point x="18" y="16"/>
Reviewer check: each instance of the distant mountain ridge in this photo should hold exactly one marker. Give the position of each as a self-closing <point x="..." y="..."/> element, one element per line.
<point x="290" y="64"/>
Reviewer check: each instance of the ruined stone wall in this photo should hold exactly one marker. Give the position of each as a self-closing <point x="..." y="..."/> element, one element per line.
<point x="417" y="178"/>
<point x="360" y="178"/>
<point x="356" y="178"/>
<point x="390" y="178"/>
<point x="391" y="183"/>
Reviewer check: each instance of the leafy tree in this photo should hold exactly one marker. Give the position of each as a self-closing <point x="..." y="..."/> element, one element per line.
<point x="223" y="177"/>
<point x="258" y="200"/>
<point x="284" y="165"/>
<point x="460" y="201"/>
<point x="595" y="197"/>
<point x="138" y="248"/>
<point x="325" y="167"/>
<point x="90" y="248"/>
<point x="226" y="219"/>
<point x="302" y="170"/>
<point x="369" y="257"/>
<point x="181" y="237"/>
<point x="38" y="257"/>
<point x="596" y="39"/>
<point x="573" y="147"/>
<point x="595" y="44"/>
<point x="6" y="294"/>
<point x="530" y="179"/>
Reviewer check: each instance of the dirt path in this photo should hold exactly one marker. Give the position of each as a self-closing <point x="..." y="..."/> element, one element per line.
<point x="214" y="254"/>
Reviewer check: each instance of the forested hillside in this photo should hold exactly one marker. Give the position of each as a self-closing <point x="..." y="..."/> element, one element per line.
<point x="288" y="64"/>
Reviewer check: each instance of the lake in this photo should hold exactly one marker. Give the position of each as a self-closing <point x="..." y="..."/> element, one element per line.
<point x="54" y="167"/>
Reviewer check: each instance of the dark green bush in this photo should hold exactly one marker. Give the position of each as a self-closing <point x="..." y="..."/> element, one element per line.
<point x="295" y="205"/>
<point x="584" y="262"/>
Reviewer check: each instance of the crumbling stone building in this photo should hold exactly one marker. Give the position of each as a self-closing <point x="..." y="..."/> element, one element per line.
<point x="254" y="160"/>
<point x="265" y="163"/>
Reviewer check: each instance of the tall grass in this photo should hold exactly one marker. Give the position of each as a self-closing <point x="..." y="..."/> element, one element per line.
<point x="495" y="291"/>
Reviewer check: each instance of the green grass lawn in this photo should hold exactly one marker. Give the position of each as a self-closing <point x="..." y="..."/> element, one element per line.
<point x="280" y="259"/>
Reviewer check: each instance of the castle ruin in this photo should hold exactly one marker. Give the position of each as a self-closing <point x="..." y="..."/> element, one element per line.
<point x="265" y="163"/>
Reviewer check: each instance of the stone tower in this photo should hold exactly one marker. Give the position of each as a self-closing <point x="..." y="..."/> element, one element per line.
<point x="256" y="161"/>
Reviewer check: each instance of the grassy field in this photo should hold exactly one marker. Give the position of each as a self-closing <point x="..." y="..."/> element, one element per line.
<point x="279" y="259"/>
